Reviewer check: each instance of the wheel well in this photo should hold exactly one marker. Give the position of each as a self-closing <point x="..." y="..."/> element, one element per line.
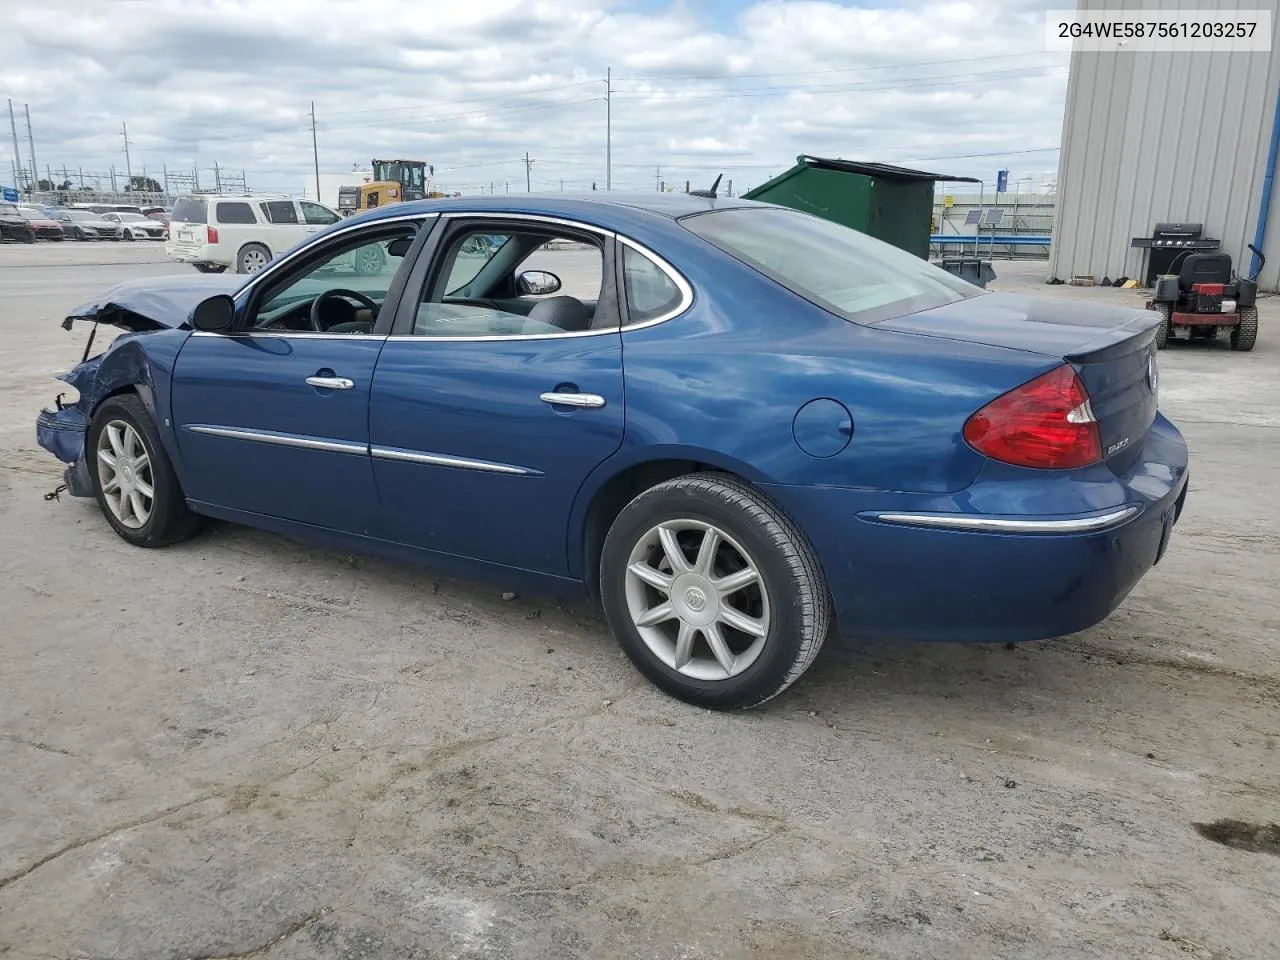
<point x="252" y="243"/>
<point x="617" y="492"/>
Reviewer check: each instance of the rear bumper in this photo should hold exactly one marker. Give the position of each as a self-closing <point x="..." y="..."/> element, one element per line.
<point x="184" y="254"/>
<point x="1205" y="319"/>
<point x="939" y="571"/>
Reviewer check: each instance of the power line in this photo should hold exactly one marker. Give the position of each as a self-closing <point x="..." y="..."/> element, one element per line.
<point x="809" y="73"/>
<point x="865" y="86"/>
<point x="397" y="111"/>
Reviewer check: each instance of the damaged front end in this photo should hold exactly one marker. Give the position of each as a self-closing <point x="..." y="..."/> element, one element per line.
<point x="138" y="308"/>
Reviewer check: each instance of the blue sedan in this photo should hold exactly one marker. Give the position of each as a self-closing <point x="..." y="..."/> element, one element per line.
<point x="740" y="428"/>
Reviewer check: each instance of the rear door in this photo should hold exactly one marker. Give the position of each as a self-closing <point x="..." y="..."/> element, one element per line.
<point x="484" y="422"/>
<point x="286" y="229"/>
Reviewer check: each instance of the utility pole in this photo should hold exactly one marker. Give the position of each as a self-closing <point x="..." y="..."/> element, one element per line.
<point x="491" y="188"/>
<point x="315" y="149"/>
<point x="528" y="166"/>
<point x="657" y="178"/>
<point x="128" y="164"/>
<point x="17" y="156"/>
<point x="164" y="172"/>
<point x="113" y="178"/>
<point x="31" y="142"/>
<point x="217" y="179"/>
<point x="608" y="128"/>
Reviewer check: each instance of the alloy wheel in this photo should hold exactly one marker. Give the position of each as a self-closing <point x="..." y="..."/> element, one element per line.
<point x="697" y="599"/>
<point x="253" y="260"/>
<point x="125" y="475"/>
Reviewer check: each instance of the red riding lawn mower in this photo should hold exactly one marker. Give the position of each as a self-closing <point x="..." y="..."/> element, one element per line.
<point x="1205" y="299"/>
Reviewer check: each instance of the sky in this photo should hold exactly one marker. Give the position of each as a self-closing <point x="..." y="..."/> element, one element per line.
<point x="699" y="87"/>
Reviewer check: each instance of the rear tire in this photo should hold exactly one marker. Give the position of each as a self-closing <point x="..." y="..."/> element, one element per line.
<point x="1162" y="332"/>
<point x="252" y="258"/>
<point x="126" y="459"/>
<point x="1245" y="333"/>
<point x="752" y="611"/>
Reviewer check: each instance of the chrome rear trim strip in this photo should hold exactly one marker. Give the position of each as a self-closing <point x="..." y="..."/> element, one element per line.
<point x="443" y="460"/>
<point x="953" y="521"/>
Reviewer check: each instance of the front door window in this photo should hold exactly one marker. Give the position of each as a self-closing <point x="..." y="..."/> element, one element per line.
<point x="342" y="292"/>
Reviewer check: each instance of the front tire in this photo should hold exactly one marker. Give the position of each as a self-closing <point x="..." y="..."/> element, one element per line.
<point x="713" y="592"/>
<point x="133" y="480"/>
<point x="1245" y="333"/>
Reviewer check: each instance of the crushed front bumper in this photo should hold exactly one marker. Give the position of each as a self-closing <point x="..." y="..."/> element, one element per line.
<point x="62" y="433"/>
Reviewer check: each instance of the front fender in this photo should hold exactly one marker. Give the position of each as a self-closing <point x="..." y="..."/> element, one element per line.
<point x="141" y="362"/>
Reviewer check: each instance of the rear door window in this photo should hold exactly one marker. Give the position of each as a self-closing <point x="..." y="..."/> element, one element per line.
<point x="279" y="211"/>
<point x="235" y="212"/>
<point x="189" y="210"/>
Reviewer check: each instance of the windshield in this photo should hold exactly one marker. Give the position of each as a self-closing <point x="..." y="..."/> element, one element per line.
<point x="32" y="215"/>
<point x="842" y="270"/>
<point x="132" y="217"/>
<point x="82" y="215"/>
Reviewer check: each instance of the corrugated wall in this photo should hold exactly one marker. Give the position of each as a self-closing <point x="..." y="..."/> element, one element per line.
<point x="1150" y="137"/>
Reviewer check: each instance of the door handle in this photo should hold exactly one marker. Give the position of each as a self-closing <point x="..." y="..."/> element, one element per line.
<point x="331" y="383"/>
<point x="588" y="401"/>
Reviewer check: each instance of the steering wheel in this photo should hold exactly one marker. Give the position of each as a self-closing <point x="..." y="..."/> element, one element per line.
<point x="360" y="298"/>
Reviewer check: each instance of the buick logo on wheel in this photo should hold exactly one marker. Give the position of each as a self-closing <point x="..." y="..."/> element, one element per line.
<point x="696" y="599"/>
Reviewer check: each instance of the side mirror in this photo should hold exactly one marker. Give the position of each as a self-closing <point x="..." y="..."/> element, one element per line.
<point x="399" y="246"/>
<point x="215" y="314"/>
<point x="537" y="283"/>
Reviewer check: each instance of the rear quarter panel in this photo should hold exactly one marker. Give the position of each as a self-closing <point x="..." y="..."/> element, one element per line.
<point x="723" y="382"/>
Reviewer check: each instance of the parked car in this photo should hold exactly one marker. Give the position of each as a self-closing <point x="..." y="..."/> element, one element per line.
<point x="101" y="208"/>
<point x="243" y="233"/>
<point x="13" y="226"/>
<point x="155" y="212"/>
<point x="42" y="225"/>
<point x="739" y="426"/>
<point x="83" y="225"/>
<point x="134" y="226"/>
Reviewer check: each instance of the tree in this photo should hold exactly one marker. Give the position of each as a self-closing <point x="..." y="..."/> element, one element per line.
<point x="44" y="185"/>
<point x="144" y="185"/>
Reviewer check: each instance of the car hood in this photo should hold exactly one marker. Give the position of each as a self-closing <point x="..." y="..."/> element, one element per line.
<point x="157" y="303"/>
<point x="1036" y="324"/>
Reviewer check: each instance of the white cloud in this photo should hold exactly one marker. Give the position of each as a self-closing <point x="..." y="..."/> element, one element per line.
<point x="700" y="85"/>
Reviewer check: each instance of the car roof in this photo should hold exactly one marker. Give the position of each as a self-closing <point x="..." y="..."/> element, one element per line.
<point x="589" y="206"/>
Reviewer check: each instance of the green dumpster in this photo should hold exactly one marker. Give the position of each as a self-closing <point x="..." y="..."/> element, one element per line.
<point x="893" y="204"/>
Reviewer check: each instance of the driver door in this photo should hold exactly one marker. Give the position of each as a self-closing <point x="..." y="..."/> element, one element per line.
<point x="272" y="418"/>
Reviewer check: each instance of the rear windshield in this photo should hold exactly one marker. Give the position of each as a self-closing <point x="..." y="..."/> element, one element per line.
<point x="189" y="210"/>
<point x="839" y="269"/>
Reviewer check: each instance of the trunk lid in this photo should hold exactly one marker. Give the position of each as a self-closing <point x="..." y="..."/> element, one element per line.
<point x="1111" y="348"/>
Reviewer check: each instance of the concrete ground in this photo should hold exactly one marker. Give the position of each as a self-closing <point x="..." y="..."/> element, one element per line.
<point x="242" y="747"/>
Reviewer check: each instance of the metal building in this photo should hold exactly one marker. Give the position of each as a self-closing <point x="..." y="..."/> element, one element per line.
<point x="1167" y="137"/>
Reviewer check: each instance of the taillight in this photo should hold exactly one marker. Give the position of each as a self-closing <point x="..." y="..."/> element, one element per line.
<point x="212" y="234"/>
<point x="1045" y="423"/>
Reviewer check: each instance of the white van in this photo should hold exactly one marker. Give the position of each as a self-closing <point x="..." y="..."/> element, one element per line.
<point x="244" y="233"/>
